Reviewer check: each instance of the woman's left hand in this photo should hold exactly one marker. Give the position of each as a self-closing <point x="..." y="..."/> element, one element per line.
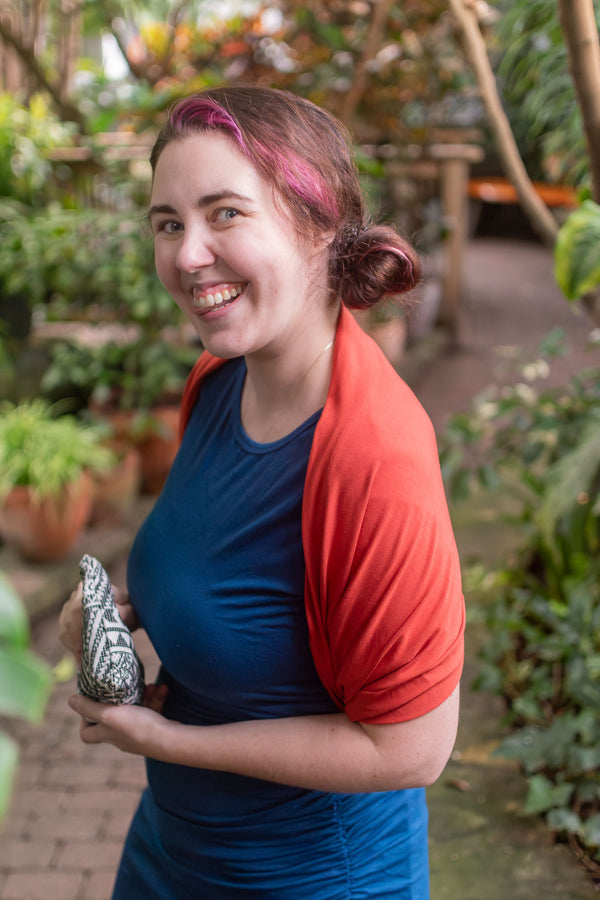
<point x="132" y="729"/>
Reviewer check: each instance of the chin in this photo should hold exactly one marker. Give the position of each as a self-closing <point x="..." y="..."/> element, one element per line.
<point x="222" y="349"/>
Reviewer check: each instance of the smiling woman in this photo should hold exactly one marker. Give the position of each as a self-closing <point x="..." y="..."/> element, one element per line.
<point x="298" y="575"/>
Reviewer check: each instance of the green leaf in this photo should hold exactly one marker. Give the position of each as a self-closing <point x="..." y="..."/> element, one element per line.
<point x="25" y="683"/>
<point x="8" y="763"/>
<point x="591" y="831"/>
<point x="577" y="252"/>
<point x="571" y="477"/>
<point x="14" y="628"/>
<point x="544" y="795"/>
<point x="563" y="820"/>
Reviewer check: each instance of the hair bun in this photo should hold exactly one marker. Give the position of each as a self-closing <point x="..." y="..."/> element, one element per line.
<point x="371" y="261"/>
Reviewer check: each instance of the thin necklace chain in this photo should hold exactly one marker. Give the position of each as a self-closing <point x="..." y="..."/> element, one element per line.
<point x="302" y="379"/>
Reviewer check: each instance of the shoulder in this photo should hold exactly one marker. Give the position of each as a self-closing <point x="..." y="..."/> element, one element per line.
<point x="373" y="432"/>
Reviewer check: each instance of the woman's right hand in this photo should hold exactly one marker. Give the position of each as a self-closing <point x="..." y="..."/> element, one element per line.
<point x="125" y="609"/>
<point x="69" y="623"/>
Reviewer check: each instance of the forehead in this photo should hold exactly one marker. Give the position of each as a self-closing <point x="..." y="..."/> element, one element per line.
<point x="207" y="162"/>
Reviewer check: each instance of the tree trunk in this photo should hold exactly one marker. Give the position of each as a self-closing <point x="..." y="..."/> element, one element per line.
<point x="538" y="213"/>
<point x="578" y="23"/>
<point x="372" y="46"/>
<point x="67" y="111"/>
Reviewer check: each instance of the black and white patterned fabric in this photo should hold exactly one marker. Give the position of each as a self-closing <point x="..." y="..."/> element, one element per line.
<point x="111" y="671"/>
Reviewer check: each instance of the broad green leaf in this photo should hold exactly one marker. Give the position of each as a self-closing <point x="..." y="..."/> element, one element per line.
<point x="25" y="683"/>
<point x="571" y="477"/>
<point x="8" y="763"/>
<point x="591" y="831"/>
<point x="544" y="795"/>
<point x="14" y="628"/>
<point x="563" y="820"/>
<point x="577" y="252"/>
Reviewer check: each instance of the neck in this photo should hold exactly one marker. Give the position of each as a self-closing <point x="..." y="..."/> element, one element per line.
<point x="281" y="392"/>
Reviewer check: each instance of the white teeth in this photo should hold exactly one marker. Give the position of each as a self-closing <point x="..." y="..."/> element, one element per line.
<point x="206" y="301"/>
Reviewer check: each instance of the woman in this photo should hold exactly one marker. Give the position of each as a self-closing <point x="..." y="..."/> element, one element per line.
<point x="298" y="576"/>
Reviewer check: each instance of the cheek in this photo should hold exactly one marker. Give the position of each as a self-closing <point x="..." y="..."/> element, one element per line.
<point x="164" y="264"/>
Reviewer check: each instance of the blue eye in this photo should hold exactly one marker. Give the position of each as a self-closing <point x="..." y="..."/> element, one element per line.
<point x="226" y="214"/>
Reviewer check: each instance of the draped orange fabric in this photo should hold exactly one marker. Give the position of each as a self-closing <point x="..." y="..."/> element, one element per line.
<point x="383" y="591"/>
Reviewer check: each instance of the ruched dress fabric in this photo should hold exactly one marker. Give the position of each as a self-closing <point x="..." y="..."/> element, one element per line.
<point x="216" y="575"/>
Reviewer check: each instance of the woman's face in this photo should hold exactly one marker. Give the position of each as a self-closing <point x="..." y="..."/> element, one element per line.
<point x="226" y="253"/>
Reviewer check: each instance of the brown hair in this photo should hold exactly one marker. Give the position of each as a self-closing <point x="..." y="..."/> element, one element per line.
<point x="305" y="153"/>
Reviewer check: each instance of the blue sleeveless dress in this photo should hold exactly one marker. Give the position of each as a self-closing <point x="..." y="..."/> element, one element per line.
<point x="216" y="575"/>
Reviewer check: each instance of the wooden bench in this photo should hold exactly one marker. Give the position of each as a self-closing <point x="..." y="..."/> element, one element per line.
<point x="500" y="190"/>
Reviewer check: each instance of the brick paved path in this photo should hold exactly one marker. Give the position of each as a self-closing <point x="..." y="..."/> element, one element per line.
<point x="72" y="803"/>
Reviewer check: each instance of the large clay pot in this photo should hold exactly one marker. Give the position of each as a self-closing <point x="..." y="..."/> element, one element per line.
<point x="156" y="439"/>
<point x="43" y="530"/>
<point x="116" y="491"/>
<point x="158" y="448"/>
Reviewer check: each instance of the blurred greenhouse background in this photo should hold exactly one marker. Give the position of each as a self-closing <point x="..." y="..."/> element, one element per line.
<point x="466" y="115"/>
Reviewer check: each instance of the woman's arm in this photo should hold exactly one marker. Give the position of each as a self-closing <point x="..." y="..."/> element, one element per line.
<point x="328" y="753"/>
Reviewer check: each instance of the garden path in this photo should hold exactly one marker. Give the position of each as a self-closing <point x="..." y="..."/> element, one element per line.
<point x="62" y="837"/>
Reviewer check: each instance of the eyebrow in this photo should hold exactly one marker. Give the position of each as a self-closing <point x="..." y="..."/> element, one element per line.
<point x="205" y="200"/>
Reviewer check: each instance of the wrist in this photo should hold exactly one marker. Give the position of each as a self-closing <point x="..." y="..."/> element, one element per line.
<point x="169" y="741"/>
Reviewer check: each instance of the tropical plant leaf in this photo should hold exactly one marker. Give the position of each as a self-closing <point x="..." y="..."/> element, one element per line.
<point x="563" y="820"/>
<point x="543" y="794"/>
<point x="591" y="831"/>
<point x="25" y="683"/>
<point x="8" y="763"/>
<point x="14" y="628"/>
<point x="569" y="479"/>
<point x="577" y="252"/>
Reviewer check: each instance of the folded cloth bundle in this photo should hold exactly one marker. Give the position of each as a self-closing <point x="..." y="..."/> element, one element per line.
<point x="111" y="671"/>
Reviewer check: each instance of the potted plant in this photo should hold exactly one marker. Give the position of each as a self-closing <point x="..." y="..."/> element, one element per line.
<point x="46" y="485"/>
<point x="135" y="387"/>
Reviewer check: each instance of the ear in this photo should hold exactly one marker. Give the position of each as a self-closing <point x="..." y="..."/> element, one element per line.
<point x="327" y="238"/>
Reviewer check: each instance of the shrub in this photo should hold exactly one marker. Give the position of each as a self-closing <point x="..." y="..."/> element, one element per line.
<point x="542" y="652"/>
<point x="82" y="264"/>
<point x="27" y="134"/>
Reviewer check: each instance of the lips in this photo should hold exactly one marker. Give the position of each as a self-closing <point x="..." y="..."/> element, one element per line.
<point x="216" y="296"/>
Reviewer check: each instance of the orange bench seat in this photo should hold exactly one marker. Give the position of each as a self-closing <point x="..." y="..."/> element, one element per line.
<point x="500" y="190"/>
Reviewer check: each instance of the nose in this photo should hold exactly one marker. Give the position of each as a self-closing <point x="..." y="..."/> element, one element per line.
<point x="194" y="251"/>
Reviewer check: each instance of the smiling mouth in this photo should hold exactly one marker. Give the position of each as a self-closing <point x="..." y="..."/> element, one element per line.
<point x="206" y="300"/>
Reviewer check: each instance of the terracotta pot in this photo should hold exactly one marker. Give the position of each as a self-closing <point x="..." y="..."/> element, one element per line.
<point x="157" y="444"/>
<point x="158" y="448"/>
<point x="45" y="530"/>
<point x="116" y="491"/>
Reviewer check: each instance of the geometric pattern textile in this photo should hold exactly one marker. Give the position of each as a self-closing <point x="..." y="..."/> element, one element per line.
<point x="111" y="671"/>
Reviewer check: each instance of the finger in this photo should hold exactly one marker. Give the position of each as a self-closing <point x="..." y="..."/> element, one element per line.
<point x="75" y="596"/>
<point x="69" y="622"/>
<point x="91" y="732"/>
<point x="71" y="605"/>
<point x="121" y="597"/>
<point x="86" y="708"/>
